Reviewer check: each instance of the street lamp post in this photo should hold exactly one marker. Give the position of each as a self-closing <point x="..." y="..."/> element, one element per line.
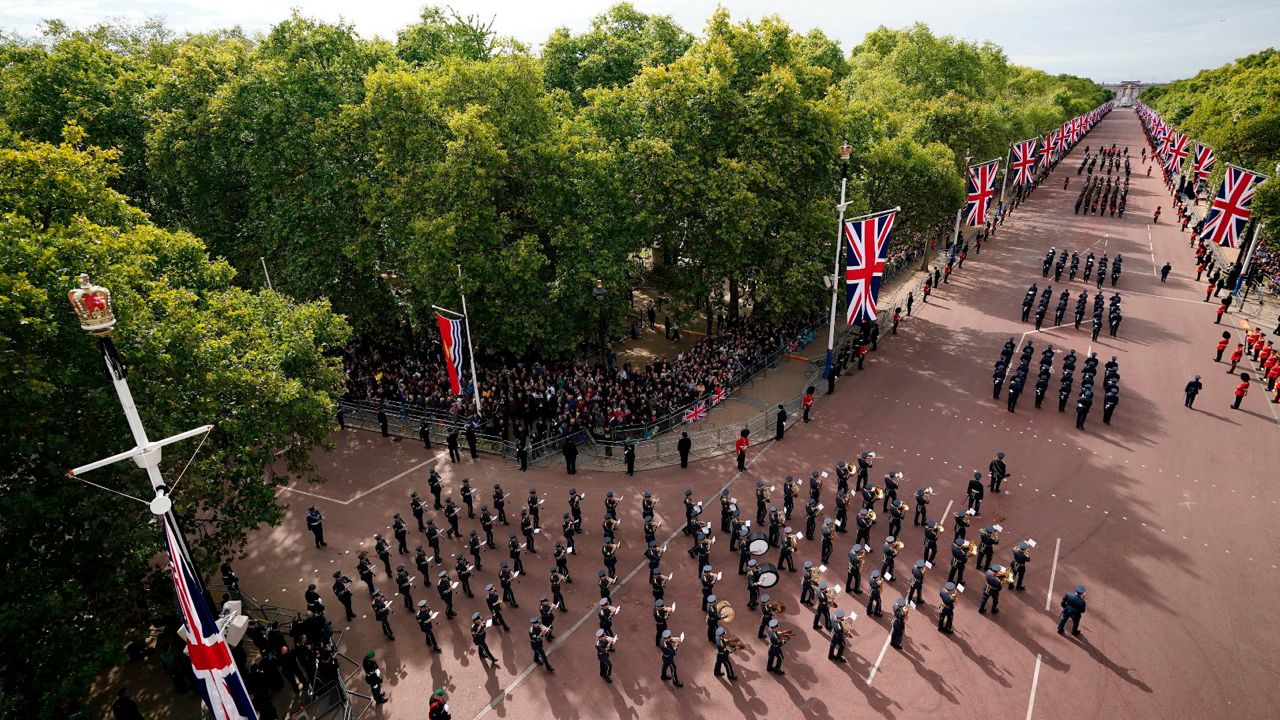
<point x="600" y="293"/>
<point x="829" y="371"/>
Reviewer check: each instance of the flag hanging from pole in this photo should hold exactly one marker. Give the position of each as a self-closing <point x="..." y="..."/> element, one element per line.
<point x="982" y="188"/>
<point x="451" y="344"/>
<point x="868" y="248"/>
<point x="1050" y="145"/>
<point x="1175" y="152"/>
<point x="1024" y="162"/>
<point x="218" y="679"/>
<point x="1204" y="161"/>
<point x="1230" y="211"/>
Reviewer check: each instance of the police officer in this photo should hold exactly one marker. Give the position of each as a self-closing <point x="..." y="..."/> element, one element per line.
<point x="1073" y="607"/>
<point x="315" y="523"/>
<point x="451" y="439"/>
<point x="537" y="633"/>
<point x="342" y="589"/>
<point x="683" y="447"/>
<point x="427" y="625"/>
<point x="947" y="611"/>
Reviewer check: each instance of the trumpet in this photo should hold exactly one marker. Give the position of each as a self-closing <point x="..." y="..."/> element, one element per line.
<point x="970" y="549"/>
<point x="777" y="607"/>
<point x="1005" y="575"/>
<point x="898" y="545"/>
<point x="786" y="635"/>
<point x="733" y="644"/>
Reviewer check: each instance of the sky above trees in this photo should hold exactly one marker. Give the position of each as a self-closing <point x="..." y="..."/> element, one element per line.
<point x="1100" y="39"/>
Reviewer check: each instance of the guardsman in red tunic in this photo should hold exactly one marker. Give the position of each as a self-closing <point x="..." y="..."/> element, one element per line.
<point x="807" y="402"/>
<point x="1236" y="355"/>
<point x="1222" y="345"/>
<point x="741" y="446"/>
<point x="1241" y="390"/>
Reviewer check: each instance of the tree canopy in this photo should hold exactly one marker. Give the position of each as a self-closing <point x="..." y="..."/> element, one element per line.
<point x="362" y="171"/>
<point x="1235" y="109"/>
<point x="201" y="350"/>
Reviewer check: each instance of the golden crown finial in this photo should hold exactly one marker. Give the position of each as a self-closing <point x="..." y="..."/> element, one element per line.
<point x="92" y="304"/>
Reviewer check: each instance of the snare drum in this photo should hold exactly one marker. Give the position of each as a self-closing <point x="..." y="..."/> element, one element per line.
<point x="768" y="575"/>
<point x="758" y="544"/>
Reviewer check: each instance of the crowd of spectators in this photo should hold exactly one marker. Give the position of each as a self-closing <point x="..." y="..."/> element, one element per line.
<point x="538" y="400"/>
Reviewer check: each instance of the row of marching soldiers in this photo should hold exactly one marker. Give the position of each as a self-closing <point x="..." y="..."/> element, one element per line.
<point x="854" y="485"/>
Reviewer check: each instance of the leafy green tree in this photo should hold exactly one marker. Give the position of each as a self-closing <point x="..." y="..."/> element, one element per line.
<point x="621" y="43"/>
<point x="440" y="34"/>
<point x="200" y="350"/>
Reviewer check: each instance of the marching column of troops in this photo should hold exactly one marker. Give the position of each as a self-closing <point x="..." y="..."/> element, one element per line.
<point x="752" y="540"/>
<point x="1084" y="403"/>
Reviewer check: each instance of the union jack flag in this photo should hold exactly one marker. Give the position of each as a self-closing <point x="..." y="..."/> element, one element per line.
<point x="217" y="677"/>
<point x="1175" y="152"/>
<point x="1162" y="138"/>
<point x="695" y="412"/>
<point x="868" y="242"/>
<point x="451" y="344"/>
<point x="1050" y="146"/>
<point x="1064" y="138"/>
<point x="1204" y="161"/>
<point x="982" y="181"/>
<point x="1077" y="128"/>
<point x="719" y="396"/>
<point x="1024" y="162"/>
<point x="1230" y="209"/>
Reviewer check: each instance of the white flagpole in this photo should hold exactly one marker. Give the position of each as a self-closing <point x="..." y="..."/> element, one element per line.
<point x="1004" y="179"/>
<point x="98" y="319"/>
<point x="471" y="350"/>
<point x="1248" y="258"/>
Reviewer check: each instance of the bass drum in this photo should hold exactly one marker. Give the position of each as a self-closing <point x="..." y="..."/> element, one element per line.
<point x="758" y="544"/>
<point x="768" y="575"/>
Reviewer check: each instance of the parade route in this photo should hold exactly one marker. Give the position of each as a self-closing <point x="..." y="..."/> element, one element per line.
<point x="1165" y="515"/>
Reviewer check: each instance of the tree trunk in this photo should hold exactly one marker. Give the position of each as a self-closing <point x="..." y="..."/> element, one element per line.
<point x="733" y="298"/>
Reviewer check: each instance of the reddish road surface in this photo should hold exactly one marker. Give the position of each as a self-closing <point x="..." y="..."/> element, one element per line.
<point x="1168" y="516"/>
